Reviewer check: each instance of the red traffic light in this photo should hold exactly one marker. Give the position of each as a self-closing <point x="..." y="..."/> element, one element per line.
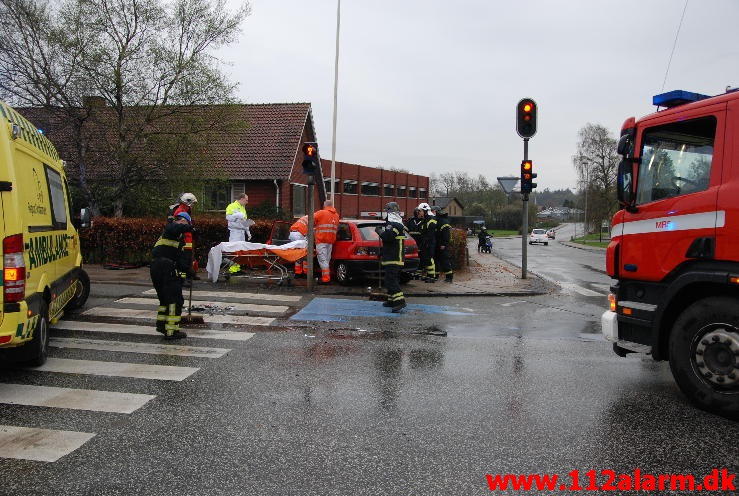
<point x="526" y="118"/>
<point x="310" y="150"/>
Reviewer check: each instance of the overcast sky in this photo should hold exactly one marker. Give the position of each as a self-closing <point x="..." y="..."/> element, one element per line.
<point x="431" y="86"/>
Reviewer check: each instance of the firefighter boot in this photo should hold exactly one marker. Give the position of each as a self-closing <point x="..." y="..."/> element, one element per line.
<point x="398" y="306"/>
<point x="175" y="335"/>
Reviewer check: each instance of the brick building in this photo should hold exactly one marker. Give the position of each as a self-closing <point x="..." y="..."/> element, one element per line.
<point x="263" y="159"/>
<point x="362" y="192"/>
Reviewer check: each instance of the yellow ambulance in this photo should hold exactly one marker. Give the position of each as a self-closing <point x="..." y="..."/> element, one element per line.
<point x="42" y="261"/>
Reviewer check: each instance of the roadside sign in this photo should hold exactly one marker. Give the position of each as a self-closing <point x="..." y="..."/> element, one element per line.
<point x="508" y="183"/>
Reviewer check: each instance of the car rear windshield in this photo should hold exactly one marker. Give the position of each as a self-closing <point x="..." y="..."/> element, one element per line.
<point x="538" y="231"/>
<point x="367" y="231"/>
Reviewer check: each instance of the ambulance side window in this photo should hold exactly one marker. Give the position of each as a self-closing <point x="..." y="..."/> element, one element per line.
<point x="675" y="159"/>
<point x="56" y="193"/>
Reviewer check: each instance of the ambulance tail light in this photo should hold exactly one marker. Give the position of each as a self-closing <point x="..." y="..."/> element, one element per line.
<point x="14" y="269"/>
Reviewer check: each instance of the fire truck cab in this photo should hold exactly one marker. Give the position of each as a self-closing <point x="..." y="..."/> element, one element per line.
<point x="675" y="245"/>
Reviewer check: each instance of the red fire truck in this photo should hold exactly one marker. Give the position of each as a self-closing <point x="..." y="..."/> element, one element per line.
<point x="675" y="245"/>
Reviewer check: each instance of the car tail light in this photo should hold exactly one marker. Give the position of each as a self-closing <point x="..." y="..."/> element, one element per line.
<point x="14" y="269"/>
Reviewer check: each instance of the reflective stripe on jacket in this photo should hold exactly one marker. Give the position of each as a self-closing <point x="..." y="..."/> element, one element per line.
<point x="326" y="223"/>
<point x="301" y="225"/>
<point x="392" y="243"/>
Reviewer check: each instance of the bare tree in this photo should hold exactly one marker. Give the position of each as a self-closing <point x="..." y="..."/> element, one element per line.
<point x="149" y="63"/>
<point x="596" y="164"/>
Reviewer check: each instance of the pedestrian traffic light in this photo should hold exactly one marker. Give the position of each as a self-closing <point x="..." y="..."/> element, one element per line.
<point x="527" y="176"/>
<point x="526" y="118"/>
<point x="310" y="161"/>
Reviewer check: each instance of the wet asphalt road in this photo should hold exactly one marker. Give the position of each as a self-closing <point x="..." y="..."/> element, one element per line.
<point x="372" y="406"/>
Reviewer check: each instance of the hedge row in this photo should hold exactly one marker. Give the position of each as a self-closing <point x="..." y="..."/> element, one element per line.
<point x="130" y="240"/>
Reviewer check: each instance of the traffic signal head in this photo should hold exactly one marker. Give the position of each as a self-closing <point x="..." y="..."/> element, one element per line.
<point x="527" y="177"/>
<point x="310" y="161"/>
<point x="526" y="118"/>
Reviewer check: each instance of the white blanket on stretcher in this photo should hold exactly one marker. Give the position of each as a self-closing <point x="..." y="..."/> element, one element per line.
<point x="215" y="256"/>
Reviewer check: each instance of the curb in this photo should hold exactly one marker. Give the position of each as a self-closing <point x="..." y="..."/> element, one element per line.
<point x="594" y="249"/>
<point x="450" y="295"/>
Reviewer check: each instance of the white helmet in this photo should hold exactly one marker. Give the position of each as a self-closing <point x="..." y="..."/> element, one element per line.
<point x="188" y="199"/>
<point x="424" y="206"/>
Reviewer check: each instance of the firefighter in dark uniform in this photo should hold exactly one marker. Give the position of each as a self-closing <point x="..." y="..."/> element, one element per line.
<point x="392" y="259"/>
<point x="414" y="225"/>
<point x="428" y="243"/>
<point x="442" y="254"/>
<point x="170" y="261"/>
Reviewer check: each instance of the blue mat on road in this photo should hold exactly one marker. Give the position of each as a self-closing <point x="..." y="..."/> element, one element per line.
<point x="341" y="310"/>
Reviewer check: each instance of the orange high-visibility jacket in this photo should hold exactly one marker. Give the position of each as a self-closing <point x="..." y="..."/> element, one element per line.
<point x="327" y="223"/>
<point x="301" y="225"/>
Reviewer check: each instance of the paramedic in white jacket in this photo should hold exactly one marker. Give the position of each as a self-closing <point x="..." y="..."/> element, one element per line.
<point x="238" y="228"/>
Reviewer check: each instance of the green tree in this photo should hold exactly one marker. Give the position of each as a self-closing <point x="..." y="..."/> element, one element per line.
<point x="150" y="66"/>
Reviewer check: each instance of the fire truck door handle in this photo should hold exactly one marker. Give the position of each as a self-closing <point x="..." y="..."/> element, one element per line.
<point x="630" y="267"/>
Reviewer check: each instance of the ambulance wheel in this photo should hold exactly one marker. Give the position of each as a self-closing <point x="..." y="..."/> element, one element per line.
<point x="38" y="348"/>
<point x="704" y="355"/>
<point x="81" y="292"/>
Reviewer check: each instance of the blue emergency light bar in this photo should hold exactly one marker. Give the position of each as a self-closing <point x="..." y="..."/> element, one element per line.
<point x="677" y="97"/>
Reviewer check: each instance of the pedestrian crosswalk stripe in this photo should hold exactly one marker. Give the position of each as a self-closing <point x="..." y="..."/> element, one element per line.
<point x="578" y="289"/>
<point x="73" y="325"/>
<point x="41" y="445"/>
<point x="130" y="313"/>
<point x="240" y="296"/>
<point x="244" y="307"/>
<point x="116" y="369"/>
<point x="74" y="399"/>
<point x="128" y="347"/>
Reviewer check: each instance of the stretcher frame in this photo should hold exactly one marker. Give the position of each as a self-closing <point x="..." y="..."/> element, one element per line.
<point x="271" y="265"/>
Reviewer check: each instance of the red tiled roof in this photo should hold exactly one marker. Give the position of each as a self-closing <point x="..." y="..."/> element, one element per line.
<point x="264" y="149"/>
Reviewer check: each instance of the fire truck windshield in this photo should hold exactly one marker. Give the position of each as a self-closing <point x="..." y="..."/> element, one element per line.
<point x="675" y="159"/>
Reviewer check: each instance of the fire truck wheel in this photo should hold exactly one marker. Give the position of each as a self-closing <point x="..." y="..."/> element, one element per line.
<point x="704" y="354"/>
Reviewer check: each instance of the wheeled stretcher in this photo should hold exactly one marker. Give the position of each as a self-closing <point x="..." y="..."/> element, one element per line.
<point x="257" y="260"/>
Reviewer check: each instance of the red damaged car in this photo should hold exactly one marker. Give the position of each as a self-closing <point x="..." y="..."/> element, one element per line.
<point x="356" y="253"/>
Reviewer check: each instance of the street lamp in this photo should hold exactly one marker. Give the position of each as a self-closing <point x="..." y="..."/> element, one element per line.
<point x="336" y="93"/>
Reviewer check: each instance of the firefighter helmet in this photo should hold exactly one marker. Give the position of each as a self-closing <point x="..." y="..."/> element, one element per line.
<point x="188" y="199"/>
<point x="392" y="207"/>
<point x="185" y="216"/>
<point x="424" y="206"/>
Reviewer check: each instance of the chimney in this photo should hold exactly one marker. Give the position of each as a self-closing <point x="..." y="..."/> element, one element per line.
<point x="91" y="101"/>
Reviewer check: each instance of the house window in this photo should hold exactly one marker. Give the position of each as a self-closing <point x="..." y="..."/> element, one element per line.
<point x="422" y="194"/>
<point x="217" y="196"/>
<point x="350" y="187"/>
<point x="327" y="184"/>
<point x="401" y="191"/>
<point x="389" y="190"/>
<point x="371" y="189"/>
<point x="412" y="192"/>
<point x="299" y="191"/>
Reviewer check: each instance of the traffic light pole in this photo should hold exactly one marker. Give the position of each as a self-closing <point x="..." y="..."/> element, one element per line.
<point x="525" y="223"/>
<point x="311" y="232"/>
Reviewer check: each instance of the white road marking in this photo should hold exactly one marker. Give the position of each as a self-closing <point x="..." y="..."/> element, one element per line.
<point x="602" y="287"/>
<point x="579" y="289"/>
<point x="41" y="445"/>
<point x="116" y="369"/>
<point x="74" y="399"/>
<point x="239" y="296"/>
<point x="128" y="347"/>
<point x="245" y="307"/>
<point x="509" y="304"/>
<point x="72" y="325"/>
<point x="130" y="313"/>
